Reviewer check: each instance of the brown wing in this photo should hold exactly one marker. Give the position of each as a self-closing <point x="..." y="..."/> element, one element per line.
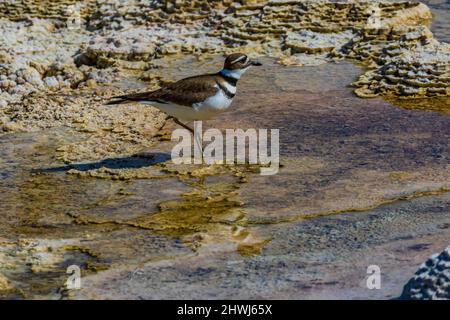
<point x="188" y="91"/>
<point x="185" y="92"/>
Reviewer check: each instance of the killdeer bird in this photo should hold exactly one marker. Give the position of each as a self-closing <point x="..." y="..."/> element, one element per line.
<point x="195" y="98"/>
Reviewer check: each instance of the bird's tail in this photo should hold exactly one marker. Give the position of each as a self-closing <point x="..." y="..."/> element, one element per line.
<point x="116" y="100"/>
<point x="127" y="98"/>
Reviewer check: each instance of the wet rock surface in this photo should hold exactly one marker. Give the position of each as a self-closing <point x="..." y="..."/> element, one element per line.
<point x="362" y="182"/>
<point x="441" y="13"/>
<point x="359" y="185"/>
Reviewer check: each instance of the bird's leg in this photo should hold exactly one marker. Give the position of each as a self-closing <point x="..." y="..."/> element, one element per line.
<point x="188" y="128"/>
<point x="181" y="124"/>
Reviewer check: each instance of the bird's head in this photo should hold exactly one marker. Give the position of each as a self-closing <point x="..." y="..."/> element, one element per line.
<point x="236" y="64"/>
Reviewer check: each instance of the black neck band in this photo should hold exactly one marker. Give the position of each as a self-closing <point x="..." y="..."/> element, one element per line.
<point x="230" y="80"/>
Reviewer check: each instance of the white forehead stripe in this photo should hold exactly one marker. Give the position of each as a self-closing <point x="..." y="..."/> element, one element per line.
<point x="238" y="59"/>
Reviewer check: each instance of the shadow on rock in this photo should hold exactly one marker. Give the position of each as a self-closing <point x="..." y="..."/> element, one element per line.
<point x="131" y="162"/>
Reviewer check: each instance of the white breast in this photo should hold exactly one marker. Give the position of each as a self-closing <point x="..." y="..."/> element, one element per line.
<point x="199" y="111"/>
<point x="217" y="102"/>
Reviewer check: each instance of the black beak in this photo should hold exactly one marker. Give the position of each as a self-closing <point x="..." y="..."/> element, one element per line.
<point x="256" y="63"/>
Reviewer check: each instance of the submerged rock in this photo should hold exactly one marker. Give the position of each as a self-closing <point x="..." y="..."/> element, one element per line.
<point x="432" y="280"/>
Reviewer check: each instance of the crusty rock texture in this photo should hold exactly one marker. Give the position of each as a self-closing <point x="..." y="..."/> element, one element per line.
<point x="432" y="280"/>
<point x="423" y="72"/>
<point x="140" y="31"/>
